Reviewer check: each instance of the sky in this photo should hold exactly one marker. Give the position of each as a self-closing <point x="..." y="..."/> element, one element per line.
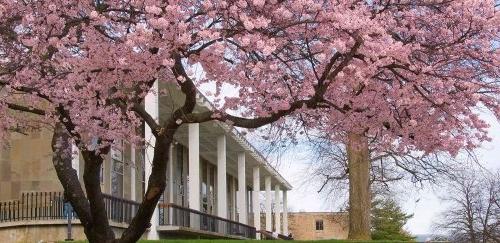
<point x="423" y="203"/>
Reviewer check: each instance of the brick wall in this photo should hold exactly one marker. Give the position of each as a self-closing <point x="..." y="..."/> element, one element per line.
<point x="302" y="225"/>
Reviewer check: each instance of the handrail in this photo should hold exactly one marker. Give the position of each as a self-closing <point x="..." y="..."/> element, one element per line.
<point x="51" y="205"/>
<point x="175" y="215"/>
<point x="166" y="205"/>
<point x="121" y="199"/>
<point x="269" y="235"/>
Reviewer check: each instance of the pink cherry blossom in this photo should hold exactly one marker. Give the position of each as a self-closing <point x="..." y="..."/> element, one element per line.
<point x="411" y="75"/>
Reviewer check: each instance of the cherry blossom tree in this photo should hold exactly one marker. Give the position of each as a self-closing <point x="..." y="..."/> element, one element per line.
<point x="411" y="74"/>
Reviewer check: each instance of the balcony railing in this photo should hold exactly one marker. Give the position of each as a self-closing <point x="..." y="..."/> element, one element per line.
<point x="33" y="206"/>
<point x="120" y="210"/>
<point x="174" y="215"/>
<point x="51" y="206"/>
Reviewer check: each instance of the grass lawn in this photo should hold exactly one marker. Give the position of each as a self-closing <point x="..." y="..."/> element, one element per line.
<point x="264" y="241"/>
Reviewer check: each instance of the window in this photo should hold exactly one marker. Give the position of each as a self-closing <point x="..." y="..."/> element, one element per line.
<point x="179" y="175"/>
<point x="117" y="170"/>
<point x="204" y="187"/>
<point x="101" y="174"/>
<point x="117" y="179"/>
<point x="319" y="224"/>
<point x="211" y="189"/>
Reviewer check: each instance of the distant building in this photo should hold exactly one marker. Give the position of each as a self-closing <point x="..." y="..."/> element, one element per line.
<point x="318" y="225"/>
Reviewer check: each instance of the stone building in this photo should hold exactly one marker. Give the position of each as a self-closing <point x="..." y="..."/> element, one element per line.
<point x="215" y="177"/>
<point x="318" y="225"/>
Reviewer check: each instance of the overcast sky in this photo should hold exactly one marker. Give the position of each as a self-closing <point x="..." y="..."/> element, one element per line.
<point x="423" y="203"/>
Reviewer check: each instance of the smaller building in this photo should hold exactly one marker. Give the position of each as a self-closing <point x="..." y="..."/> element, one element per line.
<point x="318" y="225"/>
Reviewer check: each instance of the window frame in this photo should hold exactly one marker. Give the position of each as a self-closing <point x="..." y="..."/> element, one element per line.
<point x="320" y="225"/>
<point x="117" y="170"/>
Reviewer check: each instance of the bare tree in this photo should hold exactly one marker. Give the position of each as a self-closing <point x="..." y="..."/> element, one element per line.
<point x="330" y="167"/>
<point x="473" y="214"/>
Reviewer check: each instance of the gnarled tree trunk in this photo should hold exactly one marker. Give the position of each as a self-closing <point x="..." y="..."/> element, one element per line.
<point x="359" y="187"/>
<point x="90" y="206"/>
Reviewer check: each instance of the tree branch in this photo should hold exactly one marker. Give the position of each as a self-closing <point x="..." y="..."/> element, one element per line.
<point x="61" y="158"/>
<point x="26" y="109"/>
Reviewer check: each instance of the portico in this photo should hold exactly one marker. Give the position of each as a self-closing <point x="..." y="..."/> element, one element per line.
<point x="214" y="170"/>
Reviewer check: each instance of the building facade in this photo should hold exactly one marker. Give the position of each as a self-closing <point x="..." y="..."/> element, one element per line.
<point x="214" y="182"/>
<point x="318" y="225"/>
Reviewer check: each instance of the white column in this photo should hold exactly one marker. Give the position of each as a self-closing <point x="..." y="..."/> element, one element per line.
<point x="277" y="209"/>
<point x="171" y="168"/>
<point x="133" y="167"/>
<point x="221" y="177"/>
<point x="194" y="166"/>
<point x="151" y="106"/>
<point x="285" y="213"/>
<point x="255" y="197"/>
<point x="75" y="159"/>
<point x="269" y="220"/>
<point x="242" y="206"/>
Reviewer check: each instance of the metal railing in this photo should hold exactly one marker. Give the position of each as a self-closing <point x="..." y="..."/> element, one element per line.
<point x="171" y="214"/>
<point x="51" y="206"/>
<point x="120" y="210"/>
<point x="33" y="206"/>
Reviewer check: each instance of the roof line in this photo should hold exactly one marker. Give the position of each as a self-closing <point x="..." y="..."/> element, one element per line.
<point x="239" y="137"/>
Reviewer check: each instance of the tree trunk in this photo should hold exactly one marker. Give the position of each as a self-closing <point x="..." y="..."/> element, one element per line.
<point x="156" y="186"/>
<point x="91" y="212"/>
<point x="61" y="158"/>
<point x="100" y="230"/>
<point x="91" y="209"/>
<point x="359" y="187"/>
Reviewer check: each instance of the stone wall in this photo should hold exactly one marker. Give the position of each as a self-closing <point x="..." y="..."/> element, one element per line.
<point x="44" y="231"/>
<point x="302" y="225"/>
<point x="26" y="165"/>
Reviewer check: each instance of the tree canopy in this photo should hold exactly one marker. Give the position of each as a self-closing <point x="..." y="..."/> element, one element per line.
<point x="405" y="72"/>
<point x="409" y="74"/>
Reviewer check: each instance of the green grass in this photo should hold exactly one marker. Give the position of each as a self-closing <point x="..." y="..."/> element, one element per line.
<point x="263" y="241"/>
<point x="269" y="241"/>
